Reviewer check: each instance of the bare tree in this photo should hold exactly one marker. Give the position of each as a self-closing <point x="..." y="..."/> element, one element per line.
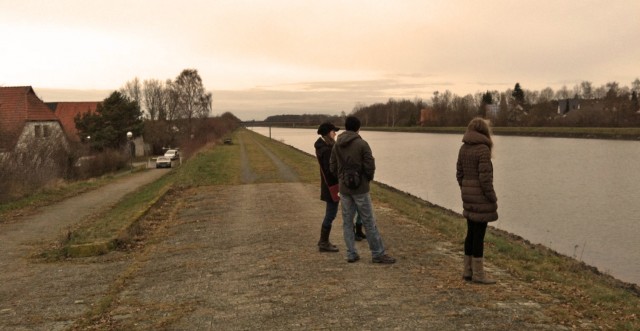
<point x="546" y="95"/>
<point x="133" y="90"/>
<point x="531" y="97"/>
<point x="587" y="89"/>
<point x="577" y="91"/>
<point x="171" y="101"/>
<point x="612" y="89"/>
<point x="563" y="93"/>
<point x="392" y="110"/>
<point x="154" y="99"/>
<point x="635" y="85"/>
<point x="503" y="109"/>
<point x="193" y="100"/>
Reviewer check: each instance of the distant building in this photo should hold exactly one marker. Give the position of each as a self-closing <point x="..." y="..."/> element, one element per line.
<point x="428" y="116"/>
<point x="567" y="105"/>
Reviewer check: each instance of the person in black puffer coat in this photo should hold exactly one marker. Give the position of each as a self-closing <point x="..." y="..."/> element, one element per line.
<point x="474" y="172"/>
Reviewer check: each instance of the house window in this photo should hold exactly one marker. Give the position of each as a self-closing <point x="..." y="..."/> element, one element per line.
<point x="46" y="131"/>
<point x="38" y="131"/>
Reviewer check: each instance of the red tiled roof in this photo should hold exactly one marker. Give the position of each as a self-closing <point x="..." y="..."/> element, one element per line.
<point x="19" y="105"/>
<point x="66" y="113"/>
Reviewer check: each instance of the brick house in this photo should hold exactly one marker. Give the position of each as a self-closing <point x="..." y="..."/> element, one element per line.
<point x="428" y="117"/>
<point x="66" y="113"/>
<point x="26" y="120"/>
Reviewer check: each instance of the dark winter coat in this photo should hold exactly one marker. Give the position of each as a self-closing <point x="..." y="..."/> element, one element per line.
<point x="352" y="149"/>
<point x="323" y="154"/>
<point x="474" y="172"/>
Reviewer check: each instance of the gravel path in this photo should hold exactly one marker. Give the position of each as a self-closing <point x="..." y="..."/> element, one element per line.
<point x="28" y="289"/>
<point x="244" y="257"/>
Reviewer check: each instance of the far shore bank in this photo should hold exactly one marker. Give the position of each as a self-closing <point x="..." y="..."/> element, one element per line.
<point x="550" y="132"/>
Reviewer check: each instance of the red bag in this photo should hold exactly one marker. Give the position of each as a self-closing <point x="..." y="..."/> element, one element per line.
<point x="335" y="189"/>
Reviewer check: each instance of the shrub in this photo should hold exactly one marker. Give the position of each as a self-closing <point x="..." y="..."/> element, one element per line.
<point x="32" y="167"/>
<point x="99" y="164"/>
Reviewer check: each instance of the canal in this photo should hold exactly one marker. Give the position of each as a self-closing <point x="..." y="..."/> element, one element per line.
<point x="580" y="197"/>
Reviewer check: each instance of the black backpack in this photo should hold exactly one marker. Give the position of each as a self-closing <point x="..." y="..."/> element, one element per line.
<point x="352" y="175"/>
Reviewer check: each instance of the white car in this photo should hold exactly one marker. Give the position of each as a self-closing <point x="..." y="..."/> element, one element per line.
<point x="163" y="162"/>
<point x="172" y="154"/>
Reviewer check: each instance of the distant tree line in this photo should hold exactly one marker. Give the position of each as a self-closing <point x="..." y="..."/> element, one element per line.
<point x="303" y="120"/>
<point x="609" y="105"/>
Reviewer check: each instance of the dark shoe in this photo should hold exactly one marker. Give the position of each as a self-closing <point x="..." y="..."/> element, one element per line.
<point x="384" y="259"/>
<point x="324" y="245"/>
<point x="353" y="259"/>
<point x="327" y="246"/>
<point x="358" y="232"/>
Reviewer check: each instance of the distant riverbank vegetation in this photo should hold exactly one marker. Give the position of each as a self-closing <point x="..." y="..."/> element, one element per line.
<point x="581" y="111"/>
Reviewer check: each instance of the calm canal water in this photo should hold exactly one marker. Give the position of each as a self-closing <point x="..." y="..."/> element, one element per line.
<point x="580" y="197"/>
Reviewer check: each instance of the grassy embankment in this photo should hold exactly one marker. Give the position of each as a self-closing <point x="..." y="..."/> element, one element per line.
<point x="581" y="291"/>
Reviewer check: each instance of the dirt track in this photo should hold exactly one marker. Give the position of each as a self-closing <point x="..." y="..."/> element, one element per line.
<point x="244" y="257"/>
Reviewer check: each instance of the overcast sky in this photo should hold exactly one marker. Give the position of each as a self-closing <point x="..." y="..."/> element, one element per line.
<point x="262" y="58"/>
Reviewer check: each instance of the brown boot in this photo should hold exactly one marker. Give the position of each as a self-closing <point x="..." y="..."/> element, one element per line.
<point x="478" y="272"/>
<point x="324" y="245"/>
<point x="467" y="271"/>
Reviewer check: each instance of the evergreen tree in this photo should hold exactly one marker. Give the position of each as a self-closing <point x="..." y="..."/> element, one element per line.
<point x="487" y="99"/>
<point x="109" y="124"/>
<point x="518" y="94"/>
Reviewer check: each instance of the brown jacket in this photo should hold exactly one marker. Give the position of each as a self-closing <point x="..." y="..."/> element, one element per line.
<point x="474" y="172"/>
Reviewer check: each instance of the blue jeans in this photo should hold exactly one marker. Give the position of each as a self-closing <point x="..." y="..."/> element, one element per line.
<point x="330" y="214"/>
<point x="362" y="204"/>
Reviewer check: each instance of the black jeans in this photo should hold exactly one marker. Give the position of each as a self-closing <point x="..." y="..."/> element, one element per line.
<point x="474" y="242"/>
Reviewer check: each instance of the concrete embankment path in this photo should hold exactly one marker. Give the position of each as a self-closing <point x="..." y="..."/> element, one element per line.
<point x="27" y="285"/>
<point x="244" y="257"/>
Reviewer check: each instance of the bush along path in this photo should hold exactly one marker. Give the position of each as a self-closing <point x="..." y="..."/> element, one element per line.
<point x="233" y="246"/>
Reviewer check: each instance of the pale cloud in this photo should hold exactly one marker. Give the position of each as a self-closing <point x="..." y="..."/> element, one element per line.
<point x="304" y="52"/>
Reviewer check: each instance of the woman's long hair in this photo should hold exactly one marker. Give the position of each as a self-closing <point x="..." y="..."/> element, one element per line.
<point x="482" y="126"/>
